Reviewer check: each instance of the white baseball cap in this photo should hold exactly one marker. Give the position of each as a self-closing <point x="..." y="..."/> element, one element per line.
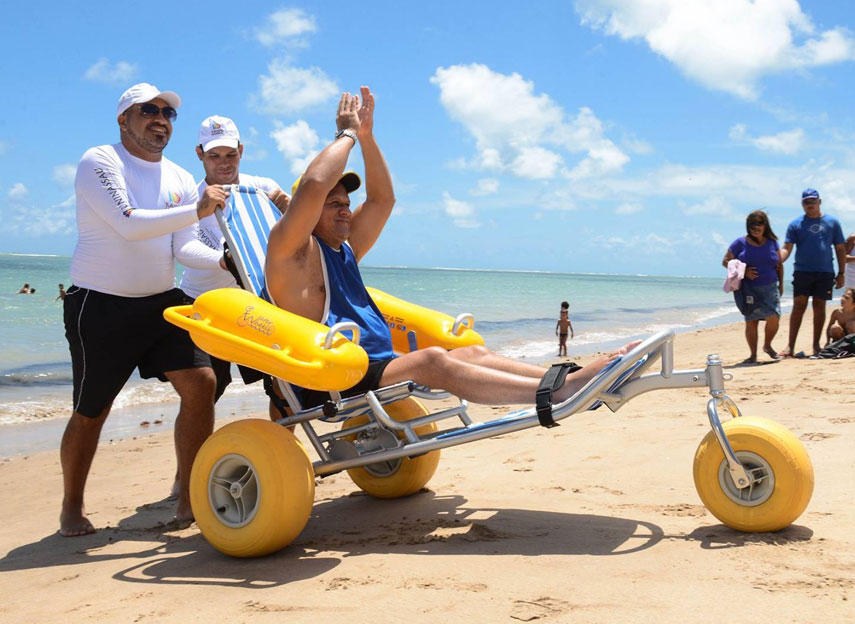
<point x="216" y="131"/>
<point x="144" y="92"/>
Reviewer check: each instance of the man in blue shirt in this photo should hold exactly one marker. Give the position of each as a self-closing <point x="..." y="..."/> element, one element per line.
<point x="814" y="235"/>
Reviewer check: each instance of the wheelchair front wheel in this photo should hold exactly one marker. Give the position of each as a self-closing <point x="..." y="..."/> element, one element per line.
<point x="778" y="466"/>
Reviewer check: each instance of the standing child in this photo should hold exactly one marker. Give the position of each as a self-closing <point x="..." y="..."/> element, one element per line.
<point x="561" y="328"/>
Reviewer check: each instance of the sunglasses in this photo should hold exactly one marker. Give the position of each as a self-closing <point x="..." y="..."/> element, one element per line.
<point x="757" y="224"/>
<point x="153" y="110"/>
<point x="810" y="202"/>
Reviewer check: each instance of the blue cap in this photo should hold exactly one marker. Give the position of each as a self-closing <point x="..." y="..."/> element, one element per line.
<point x="810" y="193"/>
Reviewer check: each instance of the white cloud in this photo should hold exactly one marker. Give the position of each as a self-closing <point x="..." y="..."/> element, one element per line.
<point x="462" y="213"/>
<point x="486" y="186"/>
<point x="788" y="142"/>
<point x="712" y="206"/>
<point x="118" y="73"/>
<point x="518" y="131"/>
<point x="285" y="27"/>
<point x="727" y="45"/>
<point x="21" y="217"/>
<point x="64" y="174"/>
<point x="536" y="163"/>
<point x="628" y="209"/>
<point x="297" y="142"/>
<point x="286" y="89"/>
<point x="18" y="192"/>
<point x="251" y="150"/>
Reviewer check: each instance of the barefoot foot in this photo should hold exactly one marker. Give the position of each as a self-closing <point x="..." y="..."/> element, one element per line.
<point x="74" y="525"/>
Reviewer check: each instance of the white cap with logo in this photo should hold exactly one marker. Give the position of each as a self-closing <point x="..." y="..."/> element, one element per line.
<point x="144" y="92"/>
<point x="218" y="131"/>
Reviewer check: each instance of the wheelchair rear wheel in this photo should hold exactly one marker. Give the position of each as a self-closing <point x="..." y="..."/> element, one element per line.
<point x="399" y="477"/>
<point x="252" y="488"/>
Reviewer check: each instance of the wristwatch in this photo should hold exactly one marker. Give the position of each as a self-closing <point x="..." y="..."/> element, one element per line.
<point x="346" y="132"/>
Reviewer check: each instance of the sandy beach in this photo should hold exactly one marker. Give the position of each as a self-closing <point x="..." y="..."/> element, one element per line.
<point x="594" y="521"/>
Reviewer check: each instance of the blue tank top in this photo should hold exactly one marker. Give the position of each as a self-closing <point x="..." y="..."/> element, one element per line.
<point x="347" y="300"/>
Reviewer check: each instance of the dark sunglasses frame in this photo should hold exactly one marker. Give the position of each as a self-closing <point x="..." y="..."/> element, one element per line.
<point x="757" y="223"/>
<point x="153" y="110"/>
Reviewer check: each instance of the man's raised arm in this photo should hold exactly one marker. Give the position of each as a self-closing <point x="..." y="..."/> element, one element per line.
<point x="370" y="218"/>
<point x="291" y="233"/>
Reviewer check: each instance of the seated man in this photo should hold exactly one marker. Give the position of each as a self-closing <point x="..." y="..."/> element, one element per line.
<point x="312" y="271"/>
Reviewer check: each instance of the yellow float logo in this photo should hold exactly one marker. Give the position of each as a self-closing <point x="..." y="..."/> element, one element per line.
<point x="258" y="323"/>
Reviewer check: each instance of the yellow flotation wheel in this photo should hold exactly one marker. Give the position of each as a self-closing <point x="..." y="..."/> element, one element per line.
<point x="252" y="488"/>
<point x="778" y="466"/>
<point x="399" y="477"/>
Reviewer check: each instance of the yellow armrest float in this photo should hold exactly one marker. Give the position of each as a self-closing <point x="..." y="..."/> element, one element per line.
<point x="432" y="328"/>
<point x="236" y="326"/>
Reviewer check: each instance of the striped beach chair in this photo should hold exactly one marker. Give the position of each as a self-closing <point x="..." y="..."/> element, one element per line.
<point x="246" y="222"/>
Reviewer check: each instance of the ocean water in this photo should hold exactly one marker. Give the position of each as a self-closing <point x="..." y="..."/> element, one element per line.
<point x="516" y="313"/>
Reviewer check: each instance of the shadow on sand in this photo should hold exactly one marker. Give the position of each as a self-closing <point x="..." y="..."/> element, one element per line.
<point x="423" y="524"/>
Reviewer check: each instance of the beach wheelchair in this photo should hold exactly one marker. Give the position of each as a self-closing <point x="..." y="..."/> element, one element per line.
<point x="252" y="484"/>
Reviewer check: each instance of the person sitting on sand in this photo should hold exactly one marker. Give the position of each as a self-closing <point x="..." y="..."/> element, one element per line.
<point x="562" y="326"/>
<point x="842" y="321"/>
<point x="320" y="241"/>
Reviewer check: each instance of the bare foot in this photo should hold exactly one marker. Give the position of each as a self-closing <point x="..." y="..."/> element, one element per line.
<point x="74" y="524"/>
<point x="786" y="352"/>
<point x="183" y="515"/>
<point x="768" y="350"/>
<point x="575" y="381"/>
<point x="176" y="489"/>
<point x="749" y="360"/>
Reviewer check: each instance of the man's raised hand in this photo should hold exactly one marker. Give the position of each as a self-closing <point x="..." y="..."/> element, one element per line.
<point x="366" y="113"/>
<point x="347" y="117"/>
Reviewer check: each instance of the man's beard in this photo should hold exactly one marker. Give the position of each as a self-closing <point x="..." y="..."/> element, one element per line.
<point x="144" y="143"/>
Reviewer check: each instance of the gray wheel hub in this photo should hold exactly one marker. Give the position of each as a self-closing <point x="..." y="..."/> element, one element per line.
<point x="762" y="480"/>
<point x="234" y="491"/>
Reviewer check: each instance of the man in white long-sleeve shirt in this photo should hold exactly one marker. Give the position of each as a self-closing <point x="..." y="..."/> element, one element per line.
<point x="200" y="246"/>
<point x="130" y="200"/>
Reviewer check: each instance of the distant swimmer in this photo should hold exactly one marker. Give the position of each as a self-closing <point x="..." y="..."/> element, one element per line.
<point x="561" y="328"/>
<point x="25" y="290"/>
<point x="61" y="295"/>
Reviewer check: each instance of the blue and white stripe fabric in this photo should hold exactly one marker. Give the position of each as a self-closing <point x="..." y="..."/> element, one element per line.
<point x="246" y="223"/>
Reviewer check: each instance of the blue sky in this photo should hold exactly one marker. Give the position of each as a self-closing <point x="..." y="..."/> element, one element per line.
<point x="607" y="136"/>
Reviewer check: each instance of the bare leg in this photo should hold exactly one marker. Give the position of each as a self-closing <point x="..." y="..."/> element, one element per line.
<point x="489" y="386"/>
<point x="799" y="307"/>
<point x="194" y="424"/>
<point x="482" y="356"/>
<point x="751" y="339"/>
<point x="76" y="452"/>
<point x="818" y="323"/>
<point x="835" y="333"/>
<point x="771" y="330"/>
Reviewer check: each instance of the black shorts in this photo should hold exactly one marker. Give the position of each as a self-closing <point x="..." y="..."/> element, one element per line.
<point x="810" y="284"/>
<point x="371" y="381"/>
<point x="109" y="336"/>
<point x="223" y="372"/>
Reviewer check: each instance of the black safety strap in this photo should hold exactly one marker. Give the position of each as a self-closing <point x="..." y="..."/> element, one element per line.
<point x="230" y="264"/>
<point x="552" y="380"/>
